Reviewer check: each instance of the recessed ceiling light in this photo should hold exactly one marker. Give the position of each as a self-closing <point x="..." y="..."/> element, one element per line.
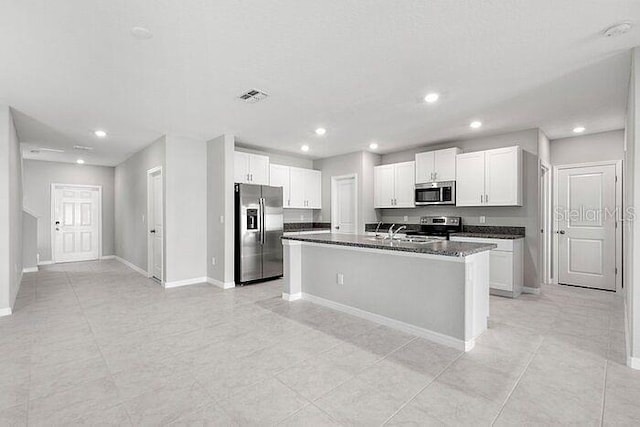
<point x="100" y="133"/>
<point x="141" y="33"/>
<point x="618" y="29"/>
<point x="578" y="129"/>
<point x="475" y="124"/>
<point x="431" y="97"/>
<point x="80" y="162"/>
<point x="321" y="131"/>
<point x="373" y="146"/>
<point x="305" y="148"/>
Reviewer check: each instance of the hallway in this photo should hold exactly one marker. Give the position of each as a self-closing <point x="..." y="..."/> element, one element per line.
<point x="96" y="341"/>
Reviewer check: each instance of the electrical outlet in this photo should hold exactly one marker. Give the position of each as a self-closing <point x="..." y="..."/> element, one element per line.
<point x="340" y="279"/>
<point x="213" y="260"/>
<point x="406" y="218"/>
<point x="483" y="219"/>
<point x="221" y="219"/>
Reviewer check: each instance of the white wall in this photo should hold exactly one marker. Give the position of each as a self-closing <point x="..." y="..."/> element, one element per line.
<point x="588" y="148"/>
<point x="10" y="212"/>
<point x="185" y="209"/>
<point x="38" y="177"/>
<point x="220" y="209"/>
<point x="360" y="163"/>
<point x="631" y="229"/>
<point x="29" y="241"/>
<point x="130" y="205"/>
<point x="524" y="216"/>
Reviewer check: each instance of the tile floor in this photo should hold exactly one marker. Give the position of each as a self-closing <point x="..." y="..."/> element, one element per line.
<point x="95" y="343"/>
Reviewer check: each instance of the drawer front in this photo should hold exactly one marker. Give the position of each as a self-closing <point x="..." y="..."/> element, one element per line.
<point x="503" y="244"/>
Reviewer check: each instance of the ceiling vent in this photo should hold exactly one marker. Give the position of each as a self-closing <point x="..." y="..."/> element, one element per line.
<point x="82" y="148"/>
<point x="253" y="96"/>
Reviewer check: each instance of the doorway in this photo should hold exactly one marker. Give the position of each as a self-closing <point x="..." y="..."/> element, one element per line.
<point x="76" y="226"/>
<point x="155" y="224"/>
<point x="587" y="198"/>
<point x="344" y="204"/>
<point x="546" y="223"/>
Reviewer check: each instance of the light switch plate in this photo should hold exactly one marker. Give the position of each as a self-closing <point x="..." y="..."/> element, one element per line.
<point x="483" y="219"/>
<point x="340" y="279"/>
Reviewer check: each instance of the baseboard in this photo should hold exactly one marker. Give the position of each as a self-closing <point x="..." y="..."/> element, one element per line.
<point x="530" y="290"/>
<point x="291" y="297"/>
<point x="186" y="282"/>
<point x="5" y="312"/>
<point x="392" y="323"/>
<point x="131" y="266"/>
<point x="48" y="262"/>
<point x="220" y="284"/>
<point x="106" y="257"/>
<point x="30" y="269"/>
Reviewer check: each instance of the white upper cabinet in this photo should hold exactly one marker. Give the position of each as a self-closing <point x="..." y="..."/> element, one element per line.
<point x="279" y="177"/>
<point x="489" y="178"/>
<point x="302" y="188"/>
<point x="394" y="185"/>
<point x="470" y="179"/>
<point x="439" y="165"/>
<point x="251" y="168"/>
<point x="425" y="167"/>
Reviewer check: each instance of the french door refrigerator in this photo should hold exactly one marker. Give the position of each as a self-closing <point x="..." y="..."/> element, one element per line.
<point x="258" y="226"/>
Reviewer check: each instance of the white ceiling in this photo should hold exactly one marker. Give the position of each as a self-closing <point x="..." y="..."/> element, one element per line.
<point x="357" y="67"/>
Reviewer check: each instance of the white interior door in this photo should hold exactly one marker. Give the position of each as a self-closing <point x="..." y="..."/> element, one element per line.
<point x="586" y="226"/>
<point x="76" y="227"/>
<point x="344" y="208"/>
<point x="156" y="225"/>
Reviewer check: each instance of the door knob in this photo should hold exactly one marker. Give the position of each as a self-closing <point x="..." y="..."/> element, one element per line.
<point x="337" y="227"/>
<point x="152" y="231"/>
<point x="561" y="232"/>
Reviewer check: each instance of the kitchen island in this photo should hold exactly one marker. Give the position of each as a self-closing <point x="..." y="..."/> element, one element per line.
<point x="438" y="290"/>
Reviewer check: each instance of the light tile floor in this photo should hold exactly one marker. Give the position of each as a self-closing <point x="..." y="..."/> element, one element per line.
<point x="95" y="343"/>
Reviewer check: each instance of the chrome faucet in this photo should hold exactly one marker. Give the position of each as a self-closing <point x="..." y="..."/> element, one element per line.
<point x="378" y="228"/>
<point x="395" y="233"/>
<point x="390" y="232"/>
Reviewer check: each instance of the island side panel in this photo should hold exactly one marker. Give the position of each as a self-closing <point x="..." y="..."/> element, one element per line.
<point x="426" y="292"/>
<point x="292" y="258"/>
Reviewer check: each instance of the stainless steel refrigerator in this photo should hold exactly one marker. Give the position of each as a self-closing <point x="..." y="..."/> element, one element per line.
<point x="259" y="226"/>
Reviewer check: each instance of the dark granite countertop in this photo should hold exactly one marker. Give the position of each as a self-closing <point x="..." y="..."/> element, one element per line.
<point x="489" y="235"/>
<point x="306" y="226"/>
<point x="438" y="247"/>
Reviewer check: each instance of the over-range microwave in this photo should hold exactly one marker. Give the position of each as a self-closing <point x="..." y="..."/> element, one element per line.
<point x="436" y="193"/>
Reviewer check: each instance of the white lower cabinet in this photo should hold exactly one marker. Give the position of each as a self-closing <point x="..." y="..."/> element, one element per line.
<point x="505" y="264"/>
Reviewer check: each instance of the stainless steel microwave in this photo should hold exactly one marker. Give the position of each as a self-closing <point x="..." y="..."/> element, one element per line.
<point x="436" y="193"/>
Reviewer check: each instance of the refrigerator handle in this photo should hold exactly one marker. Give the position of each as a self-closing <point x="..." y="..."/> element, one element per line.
<point x="262" y="232"/>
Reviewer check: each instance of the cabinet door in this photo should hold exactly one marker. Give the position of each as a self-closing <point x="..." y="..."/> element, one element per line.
<point x="445" y="164"/>
<point x="501" y="270"/>
<point x="383" y="185"/>
<point x="279" y="177"/>
<point x="404" y="185"/>
<point x="297" y="186"/>
<point x="425" y="163"/>
<point x="259" y="169"/>
<point x="241" y="167"/>
<point x="503" y="180"/>
<point x="470" y="179"/>
<point x="313" y="190"/>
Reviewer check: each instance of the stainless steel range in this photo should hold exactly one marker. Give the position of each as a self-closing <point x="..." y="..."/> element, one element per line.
<point x="437" y="227"/>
